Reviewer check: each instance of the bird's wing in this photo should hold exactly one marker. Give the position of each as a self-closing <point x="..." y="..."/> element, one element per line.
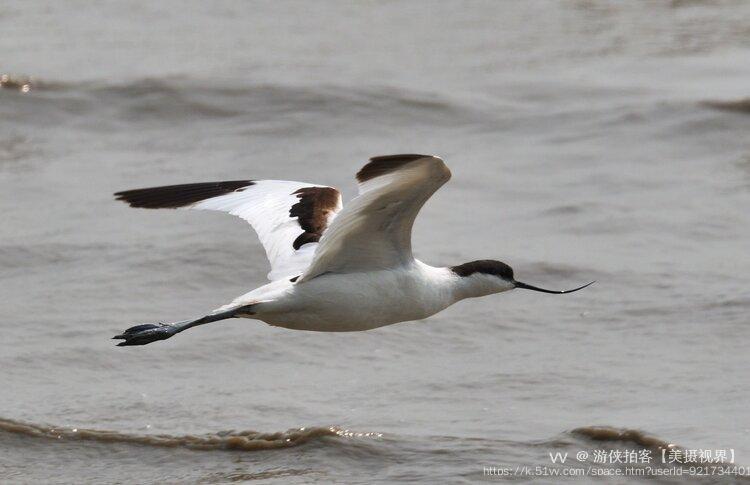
<point x="289" y="217"/>
<point x="373" y="231"/>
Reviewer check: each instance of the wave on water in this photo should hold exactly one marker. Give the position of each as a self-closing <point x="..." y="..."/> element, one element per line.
<point x="256" y="440"/>
<point x="162" y="99"/>
<point x="610" y="434"/>
<point x="223" y="440"/>
<point x="17" y="83"/>
<point x="735" y="106"/>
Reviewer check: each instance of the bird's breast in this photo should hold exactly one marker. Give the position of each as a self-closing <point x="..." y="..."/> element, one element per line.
<point x="355" y="301"/>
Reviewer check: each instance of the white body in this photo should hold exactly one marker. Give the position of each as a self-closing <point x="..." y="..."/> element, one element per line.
<point x="362" y="301"/>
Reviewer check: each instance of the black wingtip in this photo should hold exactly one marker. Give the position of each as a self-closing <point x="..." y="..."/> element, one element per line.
<point x="382" y="165"/>
<point x="174" y="196"/>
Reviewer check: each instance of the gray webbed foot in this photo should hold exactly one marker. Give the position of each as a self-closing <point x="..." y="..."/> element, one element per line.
<point x="145" y="334"/>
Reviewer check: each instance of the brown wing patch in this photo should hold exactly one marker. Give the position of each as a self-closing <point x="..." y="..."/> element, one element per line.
<point x="382" y="165"/>
<point x="174" y="196"/>
<point x="312" y="211"/>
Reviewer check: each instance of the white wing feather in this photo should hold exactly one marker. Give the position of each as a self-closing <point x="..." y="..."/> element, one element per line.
<point x="267" y="205"/>
<point x="373" y="231"/>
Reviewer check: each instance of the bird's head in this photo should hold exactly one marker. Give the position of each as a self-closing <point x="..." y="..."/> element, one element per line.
<point x="486" y="276"/>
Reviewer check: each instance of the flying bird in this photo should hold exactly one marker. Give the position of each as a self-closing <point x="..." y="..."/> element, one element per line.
<point x="334" y="268"/>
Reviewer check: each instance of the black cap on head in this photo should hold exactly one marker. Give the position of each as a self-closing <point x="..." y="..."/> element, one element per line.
<point x="484" y="266"/>
<point x="502" y="270"/>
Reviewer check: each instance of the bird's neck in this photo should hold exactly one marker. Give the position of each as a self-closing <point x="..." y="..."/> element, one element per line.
<point x="469" y="287"/>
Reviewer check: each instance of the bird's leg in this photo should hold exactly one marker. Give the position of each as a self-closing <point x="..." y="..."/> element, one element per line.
<point x="149" y="332"/>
